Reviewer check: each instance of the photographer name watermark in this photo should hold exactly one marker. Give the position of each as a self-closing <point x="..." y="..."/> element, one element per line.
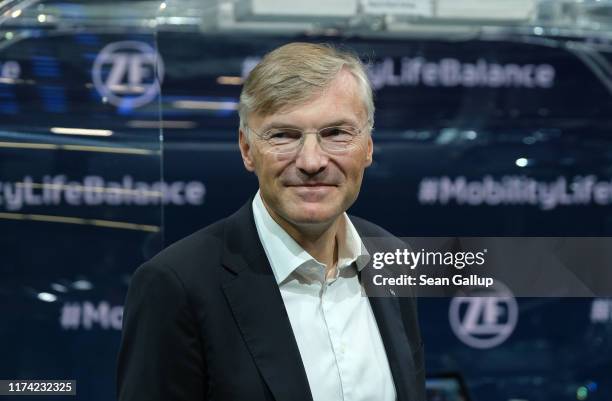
<point x="412" y="260"/>
<point x="473" y="266"/>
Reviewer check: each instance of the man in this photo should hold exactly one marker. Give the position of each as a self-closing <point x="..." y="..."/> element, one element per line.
<point x="267" y="304"/>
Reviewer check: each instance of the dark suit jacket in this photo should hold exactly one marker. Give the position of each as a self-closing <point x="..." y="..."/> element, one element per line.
<point x="204" y="320"/>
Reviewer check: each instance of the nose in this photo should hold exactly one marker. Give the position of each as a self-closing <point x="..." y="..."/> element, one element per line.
<point x="311" y="159"/>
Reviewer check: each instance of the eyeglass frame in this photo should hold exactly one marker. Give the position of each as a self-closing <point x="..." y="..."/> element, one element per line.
<point x="367" y="126"/>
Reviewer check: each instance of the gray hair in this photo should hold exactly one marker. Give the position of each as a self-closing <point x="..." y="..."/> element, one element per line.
<point x="292" y="74"/>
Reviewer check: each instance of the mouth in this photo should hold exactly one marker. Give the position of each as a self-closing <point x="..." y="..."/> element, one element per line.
<point x="312" y="191"/>
<point x="312" y="185"/>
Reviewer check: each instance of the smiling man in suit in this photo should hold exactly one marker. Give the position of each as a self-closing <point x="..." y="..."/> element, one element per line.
<point x="268" y="304"/>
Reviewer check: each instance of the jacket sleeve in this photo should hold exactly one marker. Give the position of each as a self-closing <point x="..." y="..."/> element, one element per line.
<point x="160" y="357"/>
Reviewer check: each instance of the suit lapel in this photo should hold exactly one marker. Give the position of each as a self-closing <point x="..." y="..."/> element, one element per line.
<point x="257" y="305"/>
<point x="386" y="310"/>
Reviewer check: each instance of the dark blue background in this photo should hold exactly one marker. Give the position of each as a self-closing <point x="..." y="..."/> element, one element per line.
<point x="554" y="349"/>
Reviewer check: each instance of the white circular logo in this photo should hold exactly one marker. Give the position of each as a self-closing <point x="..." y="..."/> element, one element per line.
<point x="486" y="320"/>
<point x="128" y="74"/>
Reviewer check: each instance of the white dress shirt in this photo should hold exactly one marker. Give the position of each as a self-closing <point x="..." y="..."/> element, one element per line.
<point x="332" y="321"/>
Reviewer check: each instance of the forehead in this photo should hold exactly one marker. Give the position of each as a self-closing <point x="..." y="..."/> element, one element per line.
<point x="342" y="100"/>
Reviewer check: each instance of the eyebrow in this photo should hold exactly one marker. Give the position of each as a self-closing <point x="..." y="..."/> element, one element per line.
<point x="281" y="124"/>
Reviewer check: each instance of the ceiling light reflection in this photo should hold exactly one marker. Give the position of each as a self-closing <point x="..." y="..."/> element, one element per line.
<point x="59" y="287"/>
<point x="78" y="148"/>
<point x="204" y="105"/>
<point x="161" y="124"/>
<point x="81" y="131"/>
<point x="521" y="162"/>
<point x="46" y="297"/>
<point x="80" y="221"/>
<point x="82" y="285"/>
<point x="229" y="80"/>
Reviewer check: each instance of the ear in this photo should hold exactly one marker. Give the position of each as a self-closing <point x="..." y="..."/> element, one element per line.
<point x="245" y="151"/>
<point x="369" y="151"/>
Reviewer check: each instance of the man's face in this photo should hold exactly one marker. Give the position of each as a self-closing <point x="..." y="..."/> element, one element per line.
<point x="312" y="186"/>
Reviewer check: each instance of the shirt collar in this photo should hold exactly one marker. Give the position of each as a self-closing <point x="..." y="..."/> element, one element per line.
<point x="285" y="255"/>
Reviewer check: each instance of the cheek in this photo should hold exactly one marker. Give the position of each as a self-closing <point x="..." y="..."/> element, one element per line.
<point x="270" y="173"/>
<point x="354" y="168"/>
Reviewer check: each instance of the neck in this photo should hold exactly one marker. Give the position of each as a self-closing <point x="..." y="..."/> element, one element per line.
<point x="319" y="240"/>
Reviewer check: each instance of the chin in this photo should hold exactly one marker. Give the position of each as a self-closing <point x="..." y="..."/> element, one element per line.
<point x="313" y="214"/>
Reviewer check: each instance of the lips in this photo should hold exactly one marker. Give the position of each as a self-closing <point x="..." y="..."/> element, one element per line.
<point x="311" y="193"/>
<point x="316" y="184"/>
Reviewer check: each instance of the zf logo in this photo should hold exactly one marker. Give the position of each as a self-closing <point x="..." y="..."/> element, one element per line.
<point x="484" y="321"/>
<point x="128" y="74"/>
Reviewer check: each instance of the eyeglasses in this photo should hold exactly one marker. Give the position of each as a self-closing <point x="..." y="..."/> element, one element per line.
<point x="336" y="140"/>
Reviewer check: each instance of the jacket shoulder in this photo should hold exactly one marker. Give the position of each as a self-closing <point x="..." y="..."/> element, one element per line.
<point x="366" y="228"/>
<point x="204" y="244"/>
<point x="375" y="235"/>
<point x="190" y="258"/>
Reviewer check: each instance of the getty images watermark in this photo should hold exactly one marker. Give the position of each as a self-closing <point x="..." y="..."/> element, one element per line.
<point x="411" y="260"/>
<point x="473" y="266"/>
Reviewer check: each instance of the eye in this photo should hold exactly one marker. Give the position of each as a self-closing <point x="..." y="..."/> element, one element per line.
<point x="338" y="133"/>
<point x="280" y="134"/>
<point x="283" y="135"/>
